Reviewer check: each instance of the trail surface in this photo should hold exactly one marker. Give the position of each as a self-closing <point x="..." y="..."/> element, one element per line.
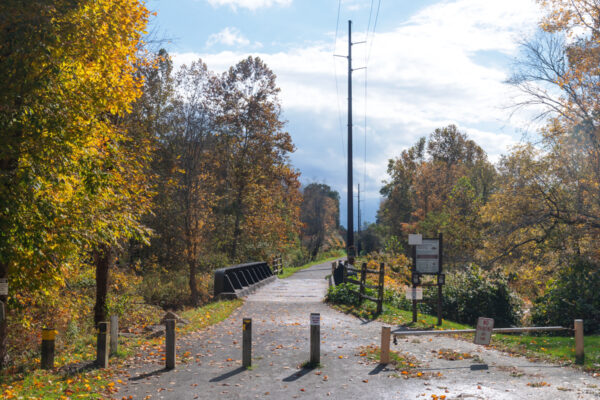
<point x="280" y="315"/>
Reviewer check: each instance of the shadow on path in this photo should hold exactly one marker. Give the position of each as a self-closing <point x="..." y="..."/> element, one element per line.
<point x="228" y="374"/>
<point x="377" y="369"/>
<point x="149" y="374"/>
<point x="299" y="374"/>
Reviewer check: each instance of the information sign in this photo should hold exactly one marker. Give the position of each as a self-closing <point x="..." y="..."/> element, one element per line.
<point x="3" y="287"/>
<point x="428" y="257"/>
<point x="483" y="332"/>
<point x="414" y="293"/>
<point x="415" y="239"/>
<point x="315" y="319"/>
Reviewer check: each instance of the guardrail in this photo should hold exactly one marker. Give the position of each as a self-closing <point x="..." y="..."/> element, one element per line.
<point x="240" y="280"/>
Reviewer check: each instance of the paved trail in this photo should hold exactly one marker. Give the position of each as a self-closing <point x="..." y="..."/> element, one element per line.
<point x="280" y="314"/>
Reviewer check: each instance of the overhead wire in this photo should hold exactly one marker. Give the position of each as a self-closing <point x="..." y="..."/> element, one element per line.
<point x="367" y="58"/>
<point x="337" y="26"/>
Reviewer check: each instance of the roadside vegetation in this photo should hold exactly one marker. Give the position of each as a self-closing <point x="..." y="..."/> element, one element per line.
<point x="76" y="377"/>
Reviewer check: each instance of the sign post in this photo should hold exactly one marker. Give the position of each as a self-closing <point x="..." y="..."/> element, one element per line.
<point x="315" y="339"/>
<point x="427" y="260"/>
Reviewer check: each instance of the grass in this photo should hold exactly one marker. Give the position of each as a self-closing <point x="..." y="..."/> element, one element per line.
<point x="394" y="316"/>
<point x="289" y="271"/>
<point x="31" y="383"/>
<point x="551" y="348"/>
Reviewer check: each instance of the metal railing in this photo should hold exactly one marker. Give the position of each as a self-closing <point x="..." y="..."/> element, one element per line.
<point x="239" y="280"/>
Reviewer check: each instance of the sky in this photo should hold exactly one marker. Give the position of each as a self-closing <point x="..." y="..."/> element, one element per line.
<point x="428" y="64"/>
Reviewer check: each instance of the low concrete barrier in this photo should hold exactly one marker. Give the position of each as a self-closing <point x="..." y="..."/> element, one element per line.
<point x="240" y="280"/>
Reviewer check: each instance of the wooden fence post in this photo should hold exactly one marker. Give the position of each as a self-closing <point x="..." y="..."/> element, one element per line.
<point x="381" y="281"/>
<point x="170" y="344"/>
<point x="102" y="345"/>
<point x="579" y="351"/>
<point x="246" y="342"/>
<point x="363" y="280"/>
<point x="48" y="340"/>
<point x="114" y="334"/>
<point x="385" y="345"/>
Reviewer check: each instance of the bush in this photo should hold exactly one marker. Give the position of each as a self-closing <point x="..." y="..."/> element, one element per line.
<point x="573" y="294"/>
<point x="344" y="293"/>
<point x="466" y="296"/>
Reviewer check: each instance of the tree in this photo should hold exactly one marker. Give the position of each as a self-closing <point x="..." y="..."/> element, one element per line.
<point x="558" y="73"/>
<point x="439" y="185"/>
<point x="320" y="214"/>
<point x="253" y="168"/>
<point x="68" y="71"/>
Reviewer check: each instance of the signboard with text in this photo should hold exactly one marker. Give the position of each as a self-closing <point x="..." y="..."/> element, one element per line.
<point x="428" y="257"/>
<point x="414" y="293"/>
<point x="483" y="332"/>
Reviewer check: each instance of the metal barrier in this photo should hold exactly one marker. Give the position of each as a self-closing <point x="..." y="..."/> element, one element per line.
<point x="240" y="280"/>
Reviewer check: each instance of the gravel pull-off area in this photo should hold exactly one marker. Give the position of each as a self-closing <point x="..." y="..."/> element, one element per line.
<point x="280" y="315"/>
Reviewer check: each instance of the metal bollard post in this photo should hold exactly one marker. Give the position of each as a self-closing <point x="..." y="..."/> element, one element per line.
<point x="114" y="334"/>
<point x="385" y="345"/>
<point x="579" y="352"/>
<point x="315" y="339"/>
<point x="48" y="339"/>
<point x="170" y="344"/>
<point x="247" y="342"/>
<point x="102" y="345"/>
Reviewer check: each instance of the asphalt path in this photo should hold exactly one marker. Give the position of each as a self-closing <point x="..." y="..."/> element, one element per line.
<point x="280" y="315"/>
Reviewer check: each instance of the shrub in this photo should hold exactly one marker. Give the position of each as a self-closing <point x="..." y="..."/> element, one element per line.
<point x="466" y="296"/>
<point x="573" y="294"/>
<point x="344" y="293"/>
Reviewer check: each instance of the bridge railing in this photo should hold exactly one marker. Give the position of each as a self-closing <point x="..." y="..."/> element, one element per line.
<point x="240" y="280"/>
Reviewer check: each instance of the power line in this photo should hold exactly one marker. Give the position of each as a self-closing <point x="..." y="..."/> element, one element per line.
<point x="341" y="129"/>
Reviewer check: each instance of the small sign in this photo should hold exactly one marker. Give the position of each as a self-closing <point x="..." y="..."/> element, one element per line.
<point x="3" y="287"/>
<point x="415" y="239"/>
<point x="441" y="279"/>
<point x="315" y="319"/>
<point x="416" y="279"/>
<point x="483" y="333"/>
<point x="428" y="257"/>
<point x="414" y="293"/>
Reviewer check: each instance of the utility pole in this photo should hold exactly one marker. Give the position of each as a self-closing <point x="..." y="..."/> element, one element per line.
<point x="350" y="234"/>
<point x="359" y="226"/>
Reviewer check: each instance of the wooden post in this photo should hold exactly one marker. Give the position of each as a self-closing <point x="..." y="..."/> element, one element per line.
<point x="114" y="334"/>
<point x="385" y="345"/>
<point x="345" y="271"/>
<point x="102" y="345"/>
<point x="414" y="283"/>
<point x="363" y="280"/>
<point x="333" y="265"/>
<point x="579" y="352"/>
<point x="315" y="339"/>
<point x="246" y="342"/>
<point x="381" y="281"/>
<point x="439" y="304"/>
<point x="170" y="344"/>
<point x="48" y="339"/>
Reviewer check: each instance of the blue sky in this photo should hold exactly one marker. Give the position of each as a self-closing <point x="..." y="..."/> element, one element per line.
<point x="430" y="64"/>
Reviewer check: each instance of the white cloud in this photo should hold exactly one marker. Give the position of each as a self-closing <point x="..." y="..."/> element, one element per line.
<point x="229" y="37"/>
<point x="249" y="4"/>
<point x="446" y="64"/>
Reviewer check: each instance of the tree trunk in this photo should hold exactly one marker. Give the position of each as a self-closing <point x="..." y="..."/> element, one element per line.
<point x="4" y="323"/>
<point x="193" y="287"/>
<point x="103" y="258"/>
